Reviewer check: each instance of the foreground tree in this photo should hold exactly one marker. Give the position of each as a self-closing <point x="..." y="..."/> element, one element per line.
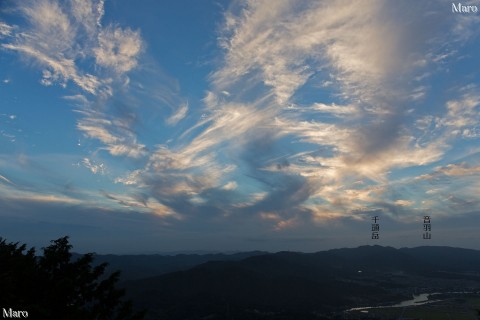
<point x="54" y="286"/>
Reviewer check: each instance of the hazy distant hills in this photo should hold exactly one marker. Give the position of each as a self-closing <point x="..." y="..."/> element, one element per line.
<point x="143" y="266"/>
<point x="364" y="257"/>
<point x="291" y="285"/>
<point x="447" y="258"/>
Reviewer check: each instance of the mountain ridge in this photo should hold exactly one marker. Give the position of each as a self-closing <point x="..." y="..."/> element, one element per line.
<point x="288" y="282"/>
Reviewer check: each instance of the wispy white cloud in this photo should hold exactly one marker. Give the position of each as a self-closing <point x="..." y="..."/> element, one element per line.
<point x="80" y="99"/>
<point x="231" y="185"/>
<point x="60" y="36"/>
<point x="50" y="41"/>
<point x="60" y="70"/>
<point x="335" y="109"/>
<point x="452" y="170"/>
<point x="94" y="167"/>
<point x="287" y="43"/>
<point x="14" y="192"/>
<point x="118" y="49"/>
<point x="132" y="178"/>
<point x="88" y="14"/>
<point x="5" y="30"/>
<point x="463" y="116"/>
<point x="48" y="198"/>
<point x="5" y="179"/>
<point x="180" y="113"/>
<point x="114" y="133"/>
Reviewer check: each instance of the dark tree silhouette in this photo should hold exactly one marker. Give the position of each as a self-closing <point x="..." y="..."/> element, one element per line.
<point x="54" y="286"/>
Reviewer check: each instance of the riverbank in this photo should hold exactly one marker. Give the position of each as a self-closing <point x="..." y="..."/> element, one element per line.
<point x="426" y="306"/>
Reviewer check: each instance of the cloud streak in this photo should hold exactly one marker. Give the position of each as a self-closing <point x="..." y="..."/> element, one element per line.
<point x="118" y="49"/>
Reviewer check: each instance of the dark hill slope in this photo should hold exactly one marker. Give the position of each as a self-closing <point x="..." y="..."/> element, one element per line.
<point x="142" y="266"/>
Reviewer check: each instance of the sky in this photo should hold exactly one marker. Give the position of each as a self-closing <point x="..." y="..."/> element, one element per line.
<point x="159" y="126"/>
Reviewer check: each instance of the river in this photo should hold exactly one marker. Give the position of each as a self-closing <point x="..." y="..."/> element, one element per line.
<point x="415" y="301"/>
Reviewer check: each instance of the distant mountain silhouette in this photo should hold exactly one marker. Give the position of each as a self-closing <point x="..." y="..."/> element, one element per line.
<point x="302" y="285"/>
<point x="447" y="258"/>
<point x="143" y="266"/>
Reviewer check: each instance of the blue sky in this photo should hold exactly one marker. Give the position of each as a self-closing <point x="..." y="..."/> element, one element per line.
<point x="153" y="126"/>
